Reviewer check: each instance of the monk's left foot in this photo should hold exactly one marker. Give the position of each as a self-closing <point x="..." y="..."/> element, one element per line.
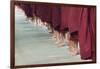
<point x="73" y="48"/>
<point x="61" y="44"/>
<point x="74" y="52"/>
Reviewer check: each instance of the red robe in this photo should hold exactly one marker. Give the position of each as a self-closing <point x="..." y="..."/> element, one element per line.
<point x="56" y="17"/>
<point x="87" y="34"/>
<point x="65" y="10"/>
<point x="71" y="18"/>
<point x="43" y="11"/>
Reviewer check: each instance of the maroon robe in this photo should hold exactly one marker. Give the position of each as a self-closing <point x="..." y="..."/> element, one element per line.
<point x="43" y="11"/>
<point x="93" y="30"/>
<point x="33" y="9"/>
<point x="65" y="10"/>
<point x="71" y="18"/>
<point x="27" y="8"/>
<point x="56" y="17"/>
<point x="87" y="33"/>
<point x="74" y="18"/>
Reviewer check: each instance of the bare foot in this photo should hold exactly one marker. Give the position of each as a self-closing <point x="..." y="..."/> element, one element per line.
<point x="57" y="42"/>
<point x="61" y="44"/>
<point x="53" y="37"/>
<point x="73" y="48"/>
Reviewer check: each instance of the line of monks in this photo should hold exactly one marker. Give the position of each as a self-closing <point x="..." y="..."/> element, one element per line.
<point x="67" y="23"/>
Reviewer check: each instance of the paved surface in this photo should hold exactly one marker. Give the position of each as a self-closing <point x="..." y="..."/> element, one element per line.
<point x="33" y="45"/>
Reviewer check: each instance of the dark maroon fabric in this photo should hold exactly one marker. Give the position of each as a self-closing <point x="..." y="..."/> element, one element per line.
<point x="65" y="10"/>
<point x="93" y="30"/>
<point x="56" y="17"/>
<point x="27" y="8"/>
<point x="33" y="9"/>
<point x="48" y="13"/>
<point x="86" y="33"/>
<point x="70" y="18"/>
<point x="74" y="17"/>
<point x="43" y="11"/>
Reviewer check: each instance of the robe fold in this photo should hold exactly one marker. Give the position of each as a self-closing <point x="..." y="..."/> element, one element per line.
<point x="70" y="19"/>
<point x="33" y="9"/>
<point x="56" y="17"/>
<point x="43" y="11"/>
<point x="74" y="19"/>
<point x="27" y="9"/>
<point x="93" y="30"/>
<point x="93" y="27"/>
<point x="65" y="10"/>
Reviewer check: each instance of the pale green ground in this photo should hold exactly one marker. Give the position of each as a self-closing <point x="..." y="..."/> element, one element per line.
<point x="33" y="45"/>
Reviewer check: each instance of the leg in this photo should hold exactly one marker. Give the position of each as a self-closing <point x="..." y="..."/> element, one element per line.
<point x="72" y="44"/>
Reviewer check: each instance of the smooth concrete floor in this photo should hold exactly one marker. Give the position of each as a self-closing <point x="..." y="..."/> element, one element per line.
<point x="33" y="45"/>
